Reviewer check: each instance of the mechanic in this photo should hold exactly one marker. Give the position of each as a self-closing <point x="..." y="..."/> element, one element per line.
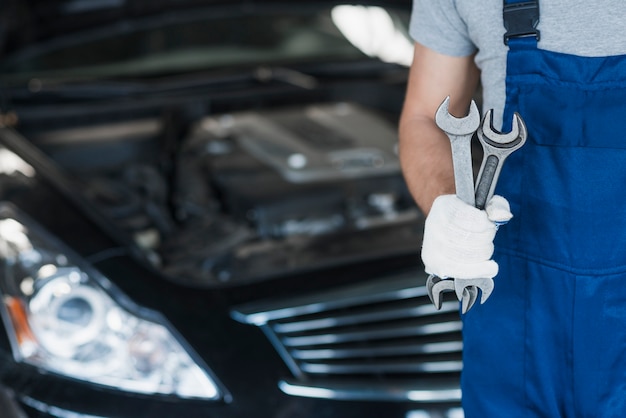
<point x="551" y="339"/>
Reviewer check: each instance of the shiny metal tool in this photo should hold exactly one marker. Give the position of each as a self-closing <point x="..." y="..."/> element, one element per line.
<point x="496" y="147"/>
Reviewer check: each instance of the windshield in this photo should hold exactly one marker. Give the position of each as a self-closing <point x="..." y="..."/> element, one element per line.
<point x="217" y="40"/>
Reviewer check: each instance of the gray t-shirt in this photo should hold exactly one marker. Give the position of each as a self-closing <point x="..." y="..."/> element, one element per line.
<point x="462" y="27"/>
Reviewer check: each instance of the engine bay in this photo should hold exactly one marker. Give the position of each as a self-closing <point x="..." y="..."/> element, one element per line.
<point x="249" y="195"/>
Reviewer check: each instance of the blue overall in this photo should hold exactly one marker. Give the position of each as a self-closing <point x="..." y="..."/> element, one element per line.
<point x="551" y="340"/>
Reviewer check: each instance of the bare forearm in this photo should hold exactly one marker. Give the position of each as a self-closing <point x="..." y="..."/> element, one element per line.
<point x="426" y="160"/>
<point x="424" y="149"/>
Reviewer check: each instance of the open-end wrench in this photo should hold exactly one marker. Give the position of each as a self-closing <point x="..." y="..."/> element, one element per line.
<point x="496" y="147"/>
<point x="459" y="132"/>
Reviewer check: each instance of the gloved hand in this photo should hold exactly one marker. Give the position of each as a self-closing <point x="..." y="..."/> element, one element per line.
<point x="458" y="238"/>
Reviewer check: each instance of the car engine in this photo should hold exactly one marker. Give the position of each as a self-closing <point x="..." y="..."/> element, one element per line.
<point x="256" y="194"/>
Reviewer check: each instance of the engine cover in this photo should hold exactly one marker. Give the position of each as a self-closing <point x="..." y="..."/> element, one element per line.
<point x="300" y="170"/>
<point x="317" y="143"/>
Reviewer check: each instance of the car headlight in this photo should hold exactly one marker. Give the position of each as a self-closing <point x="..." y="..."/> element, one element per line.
<point x="65" y="317"/>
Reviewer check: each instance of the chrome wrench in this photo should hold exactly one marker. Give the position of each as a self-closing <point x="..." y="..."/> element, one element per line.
<point x="459" y="132"/>
<point x="496" y="147"/>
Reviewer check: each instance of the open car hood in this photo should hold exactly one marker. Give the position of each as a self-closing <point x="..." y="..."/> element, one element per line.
<point x="25" y="23"/>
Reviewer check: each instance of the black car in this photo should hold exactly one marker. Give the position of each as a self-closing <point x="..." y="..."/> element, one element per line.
<point x="202" y="214"/>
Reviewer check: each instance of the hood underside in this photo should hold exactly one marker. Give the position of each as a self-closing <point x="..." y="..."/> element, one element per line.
<point x="26" y="23"/>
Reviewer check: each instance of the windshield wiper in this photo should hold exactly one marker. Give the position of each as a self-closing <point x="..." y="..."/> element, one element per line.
<point x="112" y="88"/>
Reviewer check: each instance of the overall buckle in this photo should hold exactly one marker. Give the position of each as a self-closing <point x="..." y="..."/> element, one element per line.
<point x="521" y="20"/>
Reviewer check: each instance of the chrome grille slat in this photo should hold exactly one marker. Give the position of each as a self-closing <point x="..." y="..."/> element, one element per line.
<point x="403" y="368"/>
<point x="375" y="315"/>
<point x="384" y="351"/>
<point x="365" y="341"/>
<point x="402" y="288"/>
<point x="443" y="390"/>
<point x="375" y="334"/>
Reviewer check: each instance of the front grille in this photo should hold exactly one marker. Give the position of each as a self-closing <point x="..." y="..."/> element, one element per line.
<point x="380" y="340"/>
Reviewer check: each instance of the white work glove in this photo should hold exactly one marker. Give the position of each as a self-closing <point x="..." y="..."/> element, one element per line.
<point x="458" y="238"/>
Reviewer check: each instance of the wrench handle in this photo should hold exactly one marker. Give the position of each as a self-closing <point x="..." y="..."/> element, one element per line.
<point x="462" y="164"/>
<point x="487" y="179"/>
<point x="496" y="148"/>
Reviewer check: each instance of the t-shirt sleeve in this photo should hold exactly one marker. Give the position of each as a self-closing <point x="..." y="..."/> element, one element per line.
<point x="437" y="25"/>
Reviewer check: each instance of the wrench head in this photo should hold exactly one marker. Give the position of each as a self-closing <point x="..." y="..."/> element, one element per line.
<point x="457" y="126"/>
<point x="484" y="284"/>
<point x="512" y="140"/>
<point x="437" y="286"/>
<point x="470" y="294"/>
